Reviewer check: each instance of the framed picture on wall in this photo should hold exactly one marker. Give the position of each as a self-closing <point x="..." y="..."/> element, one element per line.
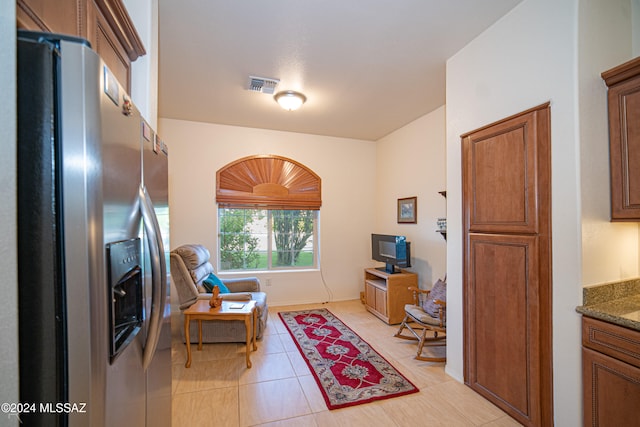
<point x="407" y="210"/>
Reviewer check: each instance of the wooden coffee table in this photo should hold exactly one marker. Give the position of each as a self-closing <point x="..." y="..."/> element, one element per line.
<point x="230" y="310"/>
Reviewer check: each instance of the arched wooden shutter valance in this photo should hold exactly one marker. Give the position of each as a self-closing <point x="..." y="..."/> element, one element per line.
<point x="268" y="181"/>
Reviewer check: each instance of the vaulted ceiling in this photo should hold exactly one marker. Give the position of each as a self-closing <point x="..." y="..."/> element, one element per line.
<point x="367" y="67"/>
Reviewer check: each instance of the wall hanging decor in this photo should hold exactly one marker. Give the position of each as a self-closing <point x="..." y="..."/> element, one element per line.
<point x="407" y="210"/>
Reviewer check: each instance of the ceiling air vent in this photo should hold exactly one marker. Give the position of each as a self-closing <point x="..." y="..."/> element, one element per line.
<point x="262" y="84"/>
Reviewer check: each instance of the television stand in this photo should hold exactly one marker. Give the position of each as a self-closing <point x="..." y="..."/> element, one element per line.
<point x="386" y="294"/>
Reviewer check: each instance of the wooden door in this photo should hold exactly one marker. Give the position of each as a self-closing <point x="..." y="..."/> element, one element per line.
<point x="507" y="266"/>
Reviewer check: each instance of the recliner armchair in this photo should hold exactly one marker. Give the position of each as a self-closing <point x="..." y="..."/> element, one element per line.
<point x="189" y="267"/>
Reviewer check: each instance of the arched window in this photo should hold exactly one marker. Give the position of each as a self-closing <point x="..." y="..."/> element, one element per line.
<point x="268" y="212"/>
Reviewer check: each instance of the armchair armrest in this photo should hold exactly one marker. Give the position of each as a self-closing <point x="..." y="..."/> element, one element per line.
<point x="442" y="311"/>
<point x="417" y="292"/>
<point x="234" y="296"/>
<point x="244" y="284"/>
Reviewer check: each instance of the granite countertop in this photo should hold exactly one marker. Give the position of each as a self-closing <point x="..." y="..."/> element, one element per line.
<point x="617" y="303"/>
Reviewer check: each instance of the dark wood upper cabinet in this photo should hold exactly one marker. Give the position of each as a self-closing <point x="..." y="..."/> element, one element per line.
<point x="61" y="16"/>
<point x="624" y="139"/>
<point x="104" y="23"/>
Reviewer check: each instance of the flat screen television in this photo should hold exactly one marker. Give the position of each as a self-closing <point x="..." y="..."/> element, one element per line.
<point x="394" y="251"/>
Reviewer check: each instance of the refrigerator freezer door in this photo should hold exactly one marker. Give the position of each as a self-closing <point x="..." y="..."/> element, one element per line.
<point x="42" y="343"/>
<point x="86" y="301"/>
<point x="68" y="256"/>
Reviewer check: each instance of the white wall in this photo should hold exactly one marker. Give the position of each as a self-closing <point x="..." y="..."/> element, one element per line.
<point x="144" y="71"/>
<point x="347" y="168"/>
<point x="609" y="250"/>
<point x="527" y="58"/>
<point x="411" y="162"/>
<point x="8" y="225"/>
<point x="635" y="18"/>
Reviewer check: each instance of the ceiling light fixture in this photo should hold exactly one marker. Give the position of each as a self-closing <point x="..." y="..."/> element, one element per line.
<point x="289" y="99"/>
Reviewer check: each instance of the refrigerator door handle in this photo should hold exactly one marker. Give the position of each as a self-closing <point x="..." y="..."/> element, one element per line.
<point x="158" y="275"/>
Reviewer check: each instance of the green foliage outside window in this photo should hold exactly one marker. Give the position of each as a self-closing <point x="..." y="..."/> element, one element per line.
<point x="265" y="239"/>
<point x="291" y="230"/>
<point x="238" y="248"/>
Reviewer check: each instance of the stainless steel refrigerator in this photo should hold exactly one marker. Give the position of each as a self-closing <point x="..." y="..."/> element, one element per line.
<point x="93" y="217"/>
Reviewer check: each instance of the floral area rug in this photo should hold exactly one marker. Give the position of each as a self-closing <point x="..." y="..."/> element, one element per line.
<point x="348" y="371"/>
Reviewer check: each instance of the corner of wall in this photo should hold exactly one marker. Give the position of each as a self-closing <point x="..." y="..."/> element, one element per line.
<point x="144" y="74"/>
<point x="417" y="155"/>
<point x="607" y="35"/>
<point x="8" y="226"/>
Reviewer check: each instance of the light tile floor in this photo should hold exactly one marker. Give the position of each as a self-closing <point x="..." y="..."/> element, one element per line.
<point x="279" y="390"/>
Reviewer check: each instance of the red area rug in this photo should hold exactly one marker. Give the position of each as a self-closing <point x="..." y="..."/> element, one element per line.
<point x="348" y="371"/>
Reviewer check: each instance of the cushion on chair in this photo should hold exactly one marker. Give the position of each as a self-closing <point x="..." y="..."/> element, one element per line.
<point x="201" y="272"/>
<point x="438" y="292"/>
<point x="193" y="255"/>
<point x="212" y="280"/>
<point x="420" y="315"/>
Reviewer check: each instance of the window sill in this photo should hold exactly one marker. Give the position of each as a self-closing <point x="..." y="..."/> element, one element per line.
<point x="257" y="272"/>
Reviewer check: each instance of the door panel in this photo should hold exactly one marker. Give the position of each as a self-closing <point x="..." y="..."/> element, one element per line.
<point x="501" y="284"/>
<point x="381" y="301"/>
<point x="624" y="107"/>
<point x="611" y="387"/>
<point x="370" y="295"/>
<point x="61" y="16"/>
<point x="502" y="180"/>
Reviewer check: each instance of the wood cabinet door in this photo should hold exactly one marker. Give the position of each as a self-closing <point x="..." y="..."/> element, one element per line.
<point x="624" y="149"/>
<point x="611" y="391"/>
<point x="104" y="23"/>
<point x="507" y="264"/>
<point x="501" y="322"/>
<point x="381" y="301"/>
<point x="500" y="165"/>
<point x="370" y="295"/>
<point x="60" y="16"/>
<point x="105" y="42"/>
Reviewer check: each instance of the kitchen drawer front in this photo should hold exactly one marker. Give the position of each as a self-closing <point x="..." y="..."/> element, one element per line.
<point x="614" y="340"/>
